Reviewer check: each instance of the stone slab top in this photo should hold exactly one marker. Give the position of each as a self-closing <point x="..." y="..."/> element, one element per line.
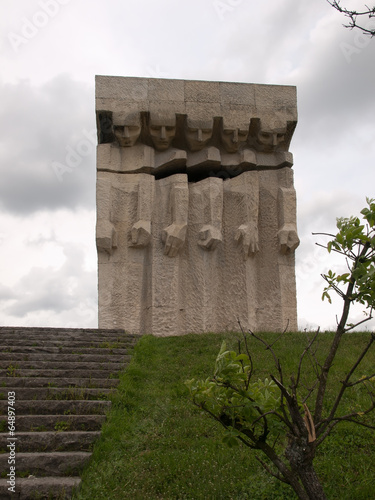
<point x="117" y="93"/>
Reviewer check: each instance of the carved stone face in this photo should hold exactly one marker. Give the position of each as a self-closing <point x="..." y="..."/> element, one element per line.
<point x="232" y="138"/>
<point x="127" y="135"/>
<point x="198" y="133"/>
<point x="127" y="129"/>
<point x="162" y="132"/>
<point x="270" y="138"/>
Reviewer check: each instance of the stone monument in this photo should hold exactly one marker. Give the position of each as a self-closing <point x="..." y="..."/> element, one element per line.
<point x="196" y="209"/>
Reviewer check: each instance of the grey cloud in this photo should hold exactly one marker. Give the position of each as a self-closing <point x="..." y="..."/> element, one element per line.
<point x="40" y="126"/>
<point x="267" y="37"/>
<point x="6" y="293"/>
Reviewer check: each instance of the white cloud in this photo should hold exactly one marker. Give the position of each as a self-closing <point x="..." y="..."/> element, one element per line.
<point x="48" y="269"/>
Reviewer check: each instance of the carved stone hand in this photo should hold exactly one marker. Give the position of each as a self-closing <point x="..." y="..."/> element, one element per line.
<point x="288" y="239"/>
<point x="248" y="236"/>
<point x="106" y="236"/>
<point x="141" y="234"/>
<point x="173" y="237"/>
<point x="209" y="237"/>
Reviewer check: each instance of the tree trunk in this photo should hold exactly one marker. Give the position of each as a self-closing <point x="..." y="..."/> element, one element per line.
<point x="300" y="456"/>
<point x="311" y="482"/>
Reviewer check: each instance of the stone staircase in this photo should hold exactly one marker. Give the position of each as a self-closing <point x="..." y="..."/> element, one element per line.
<point x="61" y="380"/>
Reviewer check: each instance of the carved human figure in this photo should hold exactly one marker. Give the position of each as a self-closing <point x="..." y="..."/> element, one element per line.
<point x="128" y="132"/>
<point x="162" y="129"/>
<point x="141" y="231"/>
<point x="198" y="133"/>
<point x="210" y="234"/>
<point x="271" y="135"/>
<point x="246" y="187"/>
<point x="288" y="239"/>
<point x="174" y="235"/>
<point x="106" y="236"/>
<point x="287" y="234"/>
<point x="233" y="136"/>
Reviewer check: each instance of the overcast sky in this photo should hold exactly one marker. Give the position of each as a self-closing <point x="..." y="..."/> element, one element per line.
<point x="50" y="52"/>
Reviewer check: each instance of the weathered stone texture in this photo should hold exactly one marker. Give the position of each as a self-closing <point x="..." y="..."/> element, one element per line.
<point x="196" y="224"/>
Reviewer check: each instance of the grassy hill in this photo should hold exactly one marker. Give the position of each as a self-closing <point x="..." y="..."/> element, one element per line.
<point x="157" y="445"/>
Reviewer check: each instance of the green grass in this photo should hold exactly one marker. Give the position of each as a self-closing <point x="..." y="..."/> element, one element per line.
<point x="62" y="426"/>
<point x="157" y="445"/>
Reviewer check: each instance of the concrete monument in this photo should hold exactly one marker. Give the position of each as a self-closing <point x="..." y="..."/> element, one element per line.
<point x="196" y="209"/>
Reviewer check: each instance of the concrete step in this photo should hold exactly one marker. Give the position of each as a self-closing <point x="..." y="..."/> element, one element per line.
<point x="26" y="331"/>
<point x="11" y="366"/>
<point x="27" y="488"/>
<point x="66" y="334"/>
<point x="56" y="407"/>
<point x="71" y="358"/>
<point x="64" y="463"/>
<point x="88" y="343"/>
<point x="62" y="379"/>
<point x="59" y="423"/>
<point x="16" y="382"/>
<point x="57" y="393"/>
<point x="51" y="441"/>
<point x="18" y="373"/>
<point x="22" y="351"/>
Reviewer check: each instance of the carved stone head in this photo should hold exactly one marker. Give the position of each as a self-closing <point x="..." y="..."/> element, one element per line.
<point x="162" y="129"/>
<point x="198" y="133"/>
<point x="271" y="134"/>
<point x="130" y="129"/>
<point x="233" y="136"/>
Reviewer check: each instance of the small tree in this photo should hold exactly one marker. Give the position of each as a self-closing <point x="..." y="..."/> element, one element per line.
<point x="272" y="415"/>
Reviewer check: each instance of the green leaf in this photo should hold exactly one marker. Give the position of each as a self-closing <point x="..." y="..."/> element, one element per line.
<point x="242" y="357"/>
<point x="326" y="296"/>
<point x="343" y="277"/>
<point x="230" y="441"/>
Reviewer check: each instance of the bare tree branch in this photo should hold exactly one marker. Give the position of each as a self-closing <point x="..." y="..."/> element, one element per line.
<point x="361" y="380"/>
<point x="338" y="335"/>
<point x="250" y="374"/>
<point x="353" y="417"/>
<point x="306" y="351"/>
<point x="310" y="391"/>
<point x="353" y="15"/>
<point x="323" y="234"/>
<point x="345" y="384"/>
<point x="357" y="324"/>
<point x="276" y="359"/>
<point x="270" y="471"/>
